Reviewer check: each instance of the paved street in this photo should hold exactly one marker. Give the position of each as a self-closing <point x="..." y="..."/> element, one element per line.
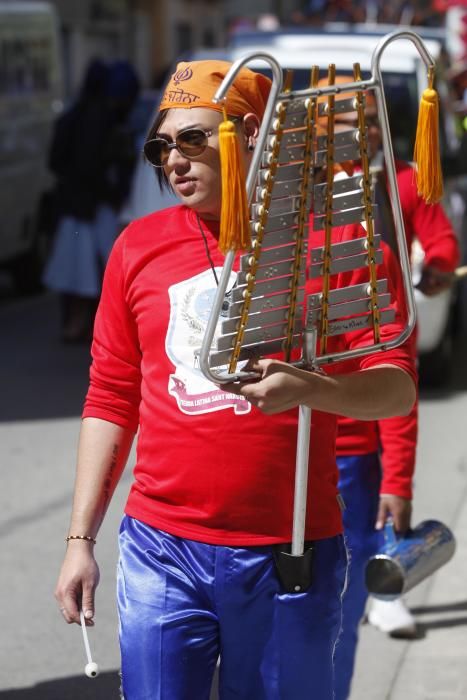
<point x="42" y="387"/>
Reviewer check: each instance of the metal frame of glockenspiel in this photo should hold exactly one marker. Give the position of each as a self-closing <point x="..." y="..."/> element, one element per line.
<point x="375" y="83"/>
<point x="309" y="359"/>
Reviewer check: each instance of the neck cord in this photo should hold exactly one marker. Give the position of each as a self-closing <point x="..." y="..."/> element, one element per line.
<point x="207" y="250"/>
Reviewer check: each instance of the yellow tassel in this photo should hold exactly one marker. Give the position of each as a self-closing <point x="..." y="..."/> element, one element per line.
<point x="426" y="152"/>
<point x="235" y="233"/>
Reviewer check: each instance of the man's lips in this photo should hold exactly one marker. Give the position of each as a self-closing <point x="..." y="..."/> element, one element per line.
<point x="185" y="185"/>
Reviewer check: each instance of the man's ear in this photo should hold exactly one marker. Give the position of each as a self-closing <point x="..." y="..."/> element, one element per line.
<point x="251" y="127"/>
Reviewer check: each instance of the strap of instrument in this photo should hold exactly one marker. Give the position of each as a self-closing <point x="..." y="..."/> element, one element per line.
<point x="324" y="330"/>
<point x="259" y="230"/>
<point x="367" y="201"/>
<point x="303" y="217"/>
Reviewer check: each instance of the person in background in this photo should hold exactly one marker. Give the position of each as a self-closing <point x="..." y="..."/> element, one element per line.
<point x="376" y="459"/>
<point x="92" y="159"/>
<point x="122" y="92"/>
<point x="212" y="497"/>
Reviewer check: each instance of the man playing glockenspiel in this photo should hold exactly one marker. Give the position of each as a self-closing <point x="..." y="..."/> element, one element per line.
<point x="213" y="482"/>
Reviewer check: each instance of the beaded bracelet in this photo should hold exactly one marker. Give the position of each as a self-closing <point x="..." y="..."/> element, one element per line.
<point x="80" y="537"/>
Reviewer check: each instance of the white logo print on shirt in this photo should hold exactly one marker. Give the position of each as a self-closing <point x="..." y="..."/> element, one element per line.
<point x="190" y="305"/>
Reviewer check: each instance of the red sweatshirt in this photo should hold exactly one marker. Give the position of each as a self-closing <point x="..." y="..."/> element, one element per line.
<point x="427" y="222"/>
<point x="210" y="467"/>
<point x="398" y="436"/>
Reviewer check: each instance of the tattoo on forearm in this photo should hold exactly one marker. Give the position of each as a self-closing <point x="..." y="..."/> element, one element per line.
<point x="108" y="483"/>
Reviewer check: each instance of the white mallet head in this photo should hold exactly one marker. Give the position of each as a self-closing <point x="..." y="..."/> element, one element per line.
<point x="91" y="669"/>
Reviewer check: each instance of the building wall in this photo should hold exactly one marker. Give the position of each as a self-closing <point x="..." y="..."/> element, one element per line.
<point x="179" y="26"/>
<point x="152" y="34"/>
<point x="90" y="29"/>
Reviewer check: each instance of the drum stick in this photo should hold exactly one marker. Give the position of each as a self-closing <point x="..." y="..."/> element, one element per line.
<point x="91" y="669"/>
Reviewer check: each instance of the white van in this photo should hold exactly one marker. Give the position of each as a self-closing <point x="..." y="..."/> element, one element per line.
<point x="30" y="99"/>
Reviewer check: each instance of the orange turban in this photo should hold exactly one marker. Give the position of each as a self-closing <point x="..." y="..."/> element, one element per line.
<point x="194" y="84"/>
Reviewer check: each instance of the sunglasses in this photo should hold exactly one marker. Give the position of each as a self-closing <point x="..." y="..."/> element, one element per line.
<point x="190" y="143"/>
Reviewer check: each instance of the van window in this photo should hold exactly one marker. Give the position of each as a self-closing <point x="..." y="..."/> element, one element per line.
<point x="401" y="94"/>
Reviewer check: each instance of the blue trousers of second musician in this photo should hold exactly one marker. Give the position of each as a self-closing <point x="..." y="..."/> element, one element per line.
<point x="359" y="482"/>
<point x="183" y="604"/>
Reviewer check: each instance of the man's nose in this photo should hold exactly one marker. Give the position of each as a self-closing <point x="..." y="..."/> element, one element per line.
<point x="175" y="157"/>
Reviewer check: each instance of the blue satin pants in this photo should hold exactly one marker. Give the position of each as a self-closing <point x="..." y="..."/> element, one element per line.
<point x="359" y="482"/>
<point x="183" y="604"/>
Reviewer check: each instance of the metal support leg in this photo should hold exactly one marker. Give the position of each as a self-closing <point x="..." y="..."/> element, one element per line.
<point x="294" y="564"/>
<point x="301" y="480"/>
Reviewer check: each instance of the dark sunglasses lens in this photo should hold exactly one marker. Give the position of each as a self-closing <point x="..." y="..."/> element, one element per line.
<point x="192" y="142"/>
<point x="156" y="151"/>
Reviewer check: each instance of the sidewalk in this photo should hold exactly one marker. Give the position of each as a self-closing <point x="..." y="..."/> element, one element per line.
<point x="437" y="669"/>
<point x="434" y="666"/>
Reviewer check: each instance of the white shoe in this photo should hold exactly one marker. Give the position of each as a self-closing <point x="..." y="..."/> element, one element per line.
<point x="392" y="617"/>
